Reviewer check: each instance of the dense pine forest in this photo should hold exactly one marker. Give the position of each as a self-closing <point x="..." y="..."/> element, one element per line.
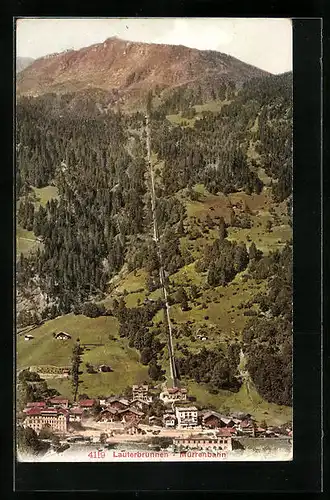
<point x="101" y="223"/>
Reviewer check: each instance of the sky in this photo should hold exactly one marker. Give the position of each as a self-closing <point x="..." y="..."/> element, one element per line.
<point x="262" y="42"/>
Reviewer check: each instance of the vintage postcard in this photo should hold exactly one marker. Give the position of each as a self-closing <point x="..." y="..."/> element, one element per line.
<point x="153" y="239"/>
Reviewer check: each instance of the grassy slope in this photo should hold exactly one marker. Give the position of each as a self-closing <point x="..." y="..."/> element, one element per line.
<point x="221" y="308"/>
<point x="44" y="349"/>
<point x="132" y="283"/>
<point x="260" y="206"/>
<point x="176" y="119"/>
<point x="214" y="106"/>
<point x="45" y="194"/>
<point x="247" y="400"/>
<point x="25" y="241"/>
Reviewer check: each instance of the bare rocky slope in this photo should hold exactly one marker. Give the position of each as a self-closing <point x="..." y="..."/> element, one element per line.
<point x="130" y="69"/>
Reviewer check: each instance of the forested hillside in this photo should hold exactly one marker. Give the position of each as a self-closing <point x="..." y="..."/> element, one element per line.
<point x="223" y="167"/>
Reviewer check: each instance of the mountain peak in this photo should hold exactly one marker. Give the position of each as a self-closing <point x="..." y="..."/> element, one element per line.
<point x="131" y="68"/>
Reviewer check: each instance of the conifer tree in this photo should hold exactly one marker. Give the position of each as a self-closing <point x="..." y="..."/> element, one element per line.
<point x="75" y="364"/>
<point x="222" y="229"/>
<point x="252" y="251"/>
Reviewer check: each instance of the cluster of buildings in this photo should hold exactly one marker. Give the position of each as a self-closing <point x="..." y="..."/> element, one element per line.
<point x="55" y="414"/>
<point x="177" y="413"/>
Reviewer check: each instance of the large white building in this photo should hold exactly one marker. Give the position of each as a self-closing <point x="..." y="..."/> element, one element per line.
<point x="187" y="416"/>
<point x="52" y="418"/>
<point x="204" y="443"/>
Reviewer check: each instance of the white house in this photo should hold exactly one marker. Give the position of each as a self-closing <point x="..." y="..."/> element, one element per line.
<point x="187" y="416"/>
<point x="75" y="414"/>
<point x="172" y="394"/>
<point x="169" y="420"/>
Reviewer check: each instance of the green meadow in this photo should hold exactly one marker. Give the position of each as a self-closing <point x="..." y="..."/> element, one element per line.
<point x="45" y="350"/>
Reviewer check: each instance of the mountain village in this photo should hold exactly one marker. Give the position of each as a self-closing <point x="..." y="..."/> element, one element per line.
<point x="119" y="419"/>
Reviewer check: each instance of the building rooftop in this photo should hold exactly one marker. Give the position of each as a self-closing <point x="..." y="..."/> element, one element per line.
<point x="174" y="390"/>
<point x="167" y="416"/>
<point x="133" y="410"/>
<point x="226" y="432"/>
<point x="114" y="411"/>
<point x="77" y="411"/>
<point x="200" y="437"/>
<point x="33" y="411"/>
<point x="246" y="423"/>
<point x="58" y="399"/>
<point x="87" y="402"/>
<point x="113" y="399"/>
<point x="209" y="413"/>
<point x="63" y="333"/>
<point x="36" y="404"/>
<point x="139" y="401"/>
<point x="45" y="411"/>
<point x="186" y="408"/>
<point x="240" y="415"/>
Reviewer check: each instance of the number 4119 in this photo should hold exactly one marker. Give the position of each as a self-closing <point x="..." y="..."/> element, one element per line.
<point x="96" y="454"/>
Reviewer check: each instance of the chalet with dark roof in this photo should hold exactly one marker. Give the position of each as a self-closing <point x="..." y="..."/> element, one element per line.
<point x="212" y="419"/>
<point x="246" y="427"/>
<point x="131" y="415"/>
<point x="117" y="403"/>
<point x="109" y="415"/>
<point x="140" y="404"/>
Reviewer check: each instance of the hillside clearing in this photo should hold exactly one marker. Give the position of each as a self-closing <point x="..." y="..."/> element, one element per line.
<point x="26" y="241"/>
<point x="45" y="194"/>
<point x="45" y="350"/>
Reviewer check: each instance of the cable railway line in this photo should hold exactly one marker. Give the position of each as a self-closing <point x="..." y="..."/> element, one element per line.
<point x="156" y="238"/>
